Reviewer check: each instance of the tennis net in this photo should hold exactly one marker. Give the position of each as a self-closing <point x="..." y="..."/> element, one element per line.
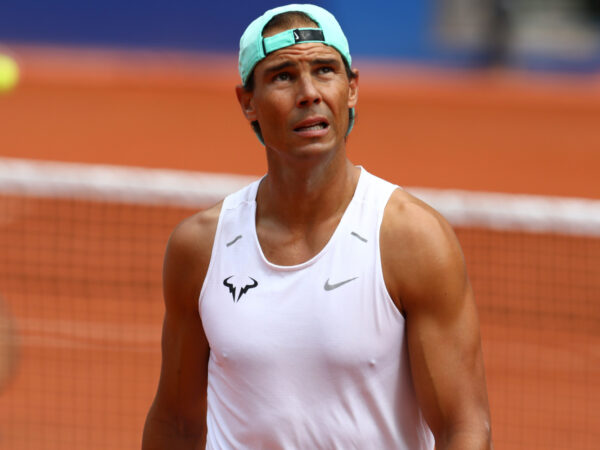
<point x="80" y="272"/>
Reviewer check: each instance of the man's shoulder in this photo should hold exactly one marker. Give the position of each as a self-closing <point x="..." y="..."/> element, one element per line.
<point x="187" y="258"/>
<point x="419" y="247"/>
<point x="191" y="240"/>
<point x="410" y="219"/>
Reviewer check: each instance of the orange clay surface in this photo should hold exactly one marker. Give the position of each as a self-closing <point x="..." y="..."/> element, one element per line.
<point x="83" y="279"/>
<point x="480" y="131"/>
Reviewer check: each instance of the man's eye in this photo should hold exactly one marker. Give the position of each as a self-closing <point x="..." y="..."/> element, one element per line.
<point x="282" y="76"/>
<point x="325" y="69"/>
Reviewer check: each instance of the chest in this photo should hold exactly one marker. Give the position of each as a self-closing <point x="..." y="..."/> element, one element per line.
<point x="328" y="307"/>
<point x="288" y="247"/>
<point x="322" y="319"/>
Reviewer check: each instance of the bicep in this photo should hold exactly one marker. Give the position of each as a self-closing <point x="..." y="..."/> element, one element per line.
<point x="447" y="365"/>
<point x="426" y="275"/>
<point x="181" y="394"/>
<point x="184" y="366"/>
<point x="177" y="417"/>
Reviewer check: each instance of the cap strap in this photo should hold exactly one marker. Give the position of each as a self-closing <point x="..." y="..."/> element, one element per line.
<point x="291" y="37"/>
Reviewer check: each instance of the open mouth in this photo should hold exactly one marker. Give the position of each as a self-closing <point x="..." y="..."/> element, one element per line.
<point x="316" y="126"/>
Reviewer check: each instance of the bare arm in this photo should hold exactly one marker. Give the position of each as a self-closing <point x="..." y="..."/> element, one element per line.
<point x="177" y="417"/>
<point x="425" y="273"/>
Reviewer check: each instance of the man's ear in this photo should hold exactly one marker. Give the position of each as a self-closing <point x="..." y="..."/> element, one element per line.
<point x="353" y="90"/>
<point x="246" y="100"/>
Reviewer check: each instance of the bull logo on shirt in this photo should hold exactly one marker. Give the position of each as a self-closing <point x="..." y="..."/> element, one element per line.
<point x="237" y="287"/>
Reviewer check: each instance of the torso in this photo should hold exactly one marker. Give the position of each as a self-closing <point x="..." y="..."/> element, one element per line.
<point x="309" y="355"/>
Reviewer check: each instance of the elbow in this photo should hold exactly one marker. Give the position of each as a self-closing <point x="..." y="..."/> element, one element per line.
<point x="485" y="434"/>
<point x="472" y="437"/>
<point x="164" y="431"/>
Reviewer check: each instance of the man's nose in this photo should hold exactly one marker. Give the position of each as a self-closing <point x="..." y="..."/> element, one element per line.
<point x="308" y="93"/>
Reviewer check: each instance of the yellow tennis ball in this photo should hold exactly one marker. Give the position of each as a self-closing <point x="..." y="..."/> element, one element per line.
<point x="9" y="73"/>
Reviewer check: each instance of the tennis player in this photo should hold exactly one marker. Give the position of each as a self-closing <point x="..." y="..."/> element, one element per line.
<point x="320" y="307"/>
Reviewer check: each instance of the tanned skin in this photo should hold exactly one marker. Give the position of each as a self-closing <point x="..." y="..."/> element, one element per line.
<point x="309" y="183"/>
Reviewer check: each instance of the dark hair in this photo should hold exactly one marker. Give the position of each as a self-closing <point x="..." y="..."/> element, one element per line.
<point x="286" y="21"/>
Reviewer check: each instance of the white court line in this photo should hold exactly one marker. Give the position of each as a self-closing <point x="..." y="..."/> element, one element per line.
<point x="68" y="333"/>
<point x="533" y="213"/>
<point x="52" y="342"/>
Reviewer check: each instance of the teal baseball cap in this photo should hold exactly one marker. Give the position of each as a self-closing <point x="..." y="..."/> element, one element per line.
<point x="254" y="47"/>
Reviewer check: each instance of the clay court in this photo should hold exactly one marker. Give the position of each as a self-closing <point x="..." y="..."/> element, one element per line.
<point x="82" y="278"/>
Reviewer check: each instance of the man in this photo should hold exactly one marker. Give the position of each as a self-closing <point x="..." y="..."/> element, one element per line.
<point x="320" y="307"/>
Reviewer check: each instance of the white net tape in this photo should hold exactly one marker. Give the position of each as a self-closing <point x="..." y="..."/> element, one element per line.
<point x="573" y="216"/>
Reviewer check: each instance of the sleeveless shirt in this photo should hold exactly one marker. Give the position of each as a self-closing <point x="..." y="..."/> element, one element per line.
<point x="310" y="356"/>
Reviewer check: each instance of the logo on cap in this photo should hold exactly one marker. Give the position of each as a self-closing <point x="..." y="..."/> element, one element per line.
<point x="310" y="34"/>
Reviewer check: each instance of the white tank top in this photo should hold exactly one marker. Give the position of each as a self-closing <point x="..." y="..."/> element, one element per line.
<point x="310" y="356"/>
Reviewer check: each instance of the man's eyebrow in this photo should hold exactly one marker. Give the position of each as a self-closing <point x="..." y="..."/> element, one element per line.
<point x="279" y="67"/>
<point x="325" y="62"/>
<point x="316" y="62"/>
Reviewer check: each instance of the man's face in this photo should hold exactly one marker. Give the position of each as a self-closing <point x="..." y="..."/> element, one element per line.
<point x="301" y="98"/>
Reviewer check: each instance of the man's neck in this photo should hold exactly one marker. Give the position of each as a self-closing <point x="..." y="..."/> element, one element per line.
<point x="301" y="196"/>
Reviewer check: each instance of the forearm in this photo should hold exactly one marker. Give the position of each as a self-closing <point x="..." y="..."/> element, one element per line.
<point x="165" y="433"/>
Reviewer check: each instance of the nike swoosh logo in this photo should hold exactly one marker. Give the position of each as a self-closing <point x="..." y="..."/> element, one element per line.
<point x="331" y="287"/>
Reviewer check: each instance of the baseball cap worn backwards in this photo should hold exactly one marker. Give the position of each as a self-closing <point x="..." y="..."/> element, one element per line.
<point x="254" y="47"/>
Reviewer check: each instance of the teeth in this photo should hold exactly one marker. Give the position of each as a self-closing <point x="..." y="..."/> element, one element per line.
<point x="317" y="126"/>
